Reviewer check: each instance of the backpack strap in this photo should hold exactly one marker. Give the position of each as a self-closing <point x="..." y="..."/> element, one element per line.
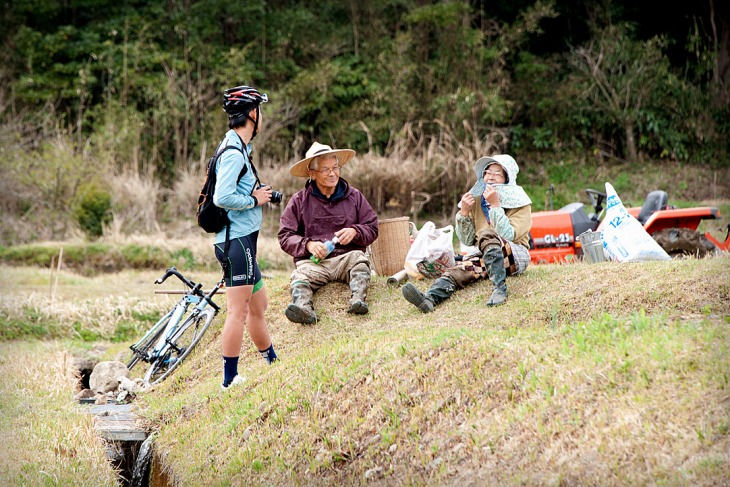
<point x="250" y="160"/>
<point x="226" y="247"/>
<point x="243" y="170"/>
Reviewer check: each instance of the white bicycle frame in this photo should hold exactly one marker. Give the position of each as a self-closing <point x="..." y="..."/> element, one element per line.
<point x="180" y="309"/>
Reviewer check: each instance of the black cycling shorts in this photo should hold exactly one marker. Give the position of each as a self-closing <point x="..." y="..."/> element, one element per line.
<point x="241" y="269"/>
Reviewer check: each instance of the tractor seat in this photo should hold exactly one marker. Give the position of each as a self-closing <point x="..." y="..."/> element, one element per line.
<point x="655" y="201"/>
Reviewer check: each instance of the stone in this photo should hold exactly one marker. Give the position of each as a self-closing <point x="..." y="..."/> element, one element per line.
<point x="373" y="472"/>
<point x="84" y="394"/>
<point x="122" y="397"/>
<point x="104" y="378"/>
<point x="126" y="384"/>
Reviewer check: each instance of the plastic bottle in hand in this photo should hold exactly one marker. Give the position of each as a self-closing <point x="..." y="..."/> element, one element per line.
<point x="330" y="244"/>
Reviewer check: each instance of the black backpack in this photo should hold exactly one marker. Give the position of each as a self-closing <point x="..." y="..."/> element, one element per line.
<point x="210" y="217"/>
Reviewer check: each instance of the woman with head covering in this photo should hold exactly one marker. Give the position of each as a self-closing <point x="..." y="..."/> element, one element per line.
<point x="495" y="216"/>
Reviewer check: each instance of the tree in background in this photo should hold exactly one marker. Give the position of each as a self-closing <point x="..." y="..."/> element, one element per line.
<point x="133" y="87"/>
<point x="626" y="92"/>
<point x="618" y="75"/>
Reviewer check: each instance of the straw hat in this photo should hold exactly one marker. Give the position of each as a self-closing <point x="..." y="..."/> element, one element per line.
<point x="301" y="168"/>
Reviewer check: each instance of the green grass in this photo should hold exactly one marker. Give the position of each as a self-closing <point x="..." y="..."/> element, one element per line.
<point x="569" y="177"/>
<point x="590" y="374"/>
<point x="610" y="374"/>
<point x="91" y="258"/>
<point x="47" y="439"/>
<point x="30" y="325"/>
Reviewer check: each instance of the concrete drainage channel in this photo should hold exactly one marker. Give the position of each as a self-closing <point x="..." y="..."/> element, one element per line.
<point x="129" y="447"/>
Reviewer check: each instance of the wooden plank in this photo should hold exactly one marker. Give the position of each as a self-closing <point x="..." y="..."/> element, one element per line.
<point x="117" y="422"/>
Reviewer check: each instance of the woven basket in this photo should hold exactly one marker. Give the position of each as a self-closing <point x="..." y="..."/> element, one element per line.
<point x="390" y="249"/>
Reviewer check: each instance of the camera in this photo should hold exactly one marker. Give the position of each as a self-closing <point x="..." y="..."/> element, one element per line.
<point x="276" y="196"/>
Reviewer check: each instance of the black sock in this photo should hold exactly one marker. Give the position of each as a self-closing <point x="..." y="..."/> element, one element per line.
<point x="230" y="370"/>
<point x="269" y="355"/>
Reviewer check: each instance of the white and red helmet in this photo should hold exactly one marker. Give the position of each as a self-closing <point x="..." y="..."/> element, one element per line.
<point x="242" y="99"/>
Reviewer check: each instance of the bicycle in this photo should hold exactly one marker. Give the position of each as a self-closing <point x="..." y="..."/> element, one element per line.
<point x="169" y="341"/>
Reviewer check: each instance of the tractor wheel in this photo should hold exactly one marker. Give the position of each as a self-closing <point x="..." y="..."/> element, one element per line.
<point x="680" y="242"/>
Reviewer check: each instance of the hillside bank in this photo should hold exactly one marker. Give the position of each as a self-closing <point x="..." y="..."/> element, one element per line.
<point x="608" y="374"/>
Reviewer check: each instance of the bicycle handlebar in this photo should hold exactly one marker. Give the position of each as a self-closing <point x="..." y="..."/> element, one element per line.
<point x="194" y="288"/>
<point x="211" y="293"/>
<point x="172" y="271"/>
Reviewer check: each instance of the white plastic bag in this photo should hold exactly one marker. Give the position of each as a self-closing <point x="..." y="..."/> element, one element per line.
<point x="432" y="252"/>
<point x="623" y="237"/>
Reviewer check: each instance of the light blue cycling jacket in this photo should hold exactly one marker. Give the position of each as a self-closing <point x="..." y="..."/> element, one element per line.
<point x="245" y="216"/>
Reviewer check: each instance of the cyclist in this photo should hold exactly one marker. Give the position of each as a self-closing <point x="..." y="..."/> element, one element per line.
<point x="243" y="198"/>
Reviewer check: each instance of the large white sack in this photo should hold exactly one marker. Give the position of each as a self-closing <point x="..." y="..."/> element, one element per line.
<point x="623" y="237"/>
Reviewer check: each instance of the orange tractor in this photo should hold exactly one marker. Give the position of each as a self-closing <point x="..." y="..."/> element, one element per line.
<point x="554" y="233"/>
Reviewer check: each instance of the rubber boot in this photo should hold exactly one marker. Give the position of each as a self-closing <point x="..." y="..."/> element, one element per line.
<point x="494" y="262"/>
<point x="359" y="283"/>
<point x="440" y="290"/>
<point x="301" y="310"/>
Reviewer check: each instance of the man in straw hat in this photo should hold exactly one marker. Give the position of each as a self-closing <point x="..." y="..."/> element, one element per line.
<point x="496" y="216"/>
<point x="326" y="208"/>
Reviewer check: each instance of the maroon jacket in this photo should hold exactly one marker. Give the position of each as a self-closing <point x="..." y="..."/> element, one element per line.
<point x="311" y="216"/>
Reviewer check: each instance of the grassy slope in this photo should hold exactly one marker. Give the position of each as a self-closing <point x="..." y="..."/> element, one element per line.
<point x="611" y="374"/>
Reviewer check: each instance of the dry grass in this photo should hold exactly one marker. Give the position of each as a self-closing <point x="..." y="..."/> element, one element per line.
<point x="600" y="375"/>
<point x="607" y="374"/>
<point x="135" y="200"/>
<point x="80" y="308"/>
<point x="67" y="305"/>
<point x="183" y="197"/>
<point x="200" y="245"/>
<point x="439" y="165"/>
<point x="46" y="438"/>
<point x="63" y="304"/>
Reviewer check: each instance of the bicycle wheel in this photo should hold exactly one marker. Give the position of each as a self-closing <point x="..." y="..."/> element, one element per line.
<point x="185" y="340"/>
<point x="141" y="351"/>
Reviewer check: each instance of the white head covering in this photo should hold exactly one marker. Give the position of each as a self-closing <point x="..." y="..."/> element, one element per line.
<point x="510" y="194"/>
<point x="301" y="168"/>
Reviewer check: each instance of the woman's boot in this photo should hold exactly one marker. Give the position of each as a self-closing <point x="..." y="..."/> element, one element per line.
<point x="494" y="262"/>
<point x="439" y="291"/>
